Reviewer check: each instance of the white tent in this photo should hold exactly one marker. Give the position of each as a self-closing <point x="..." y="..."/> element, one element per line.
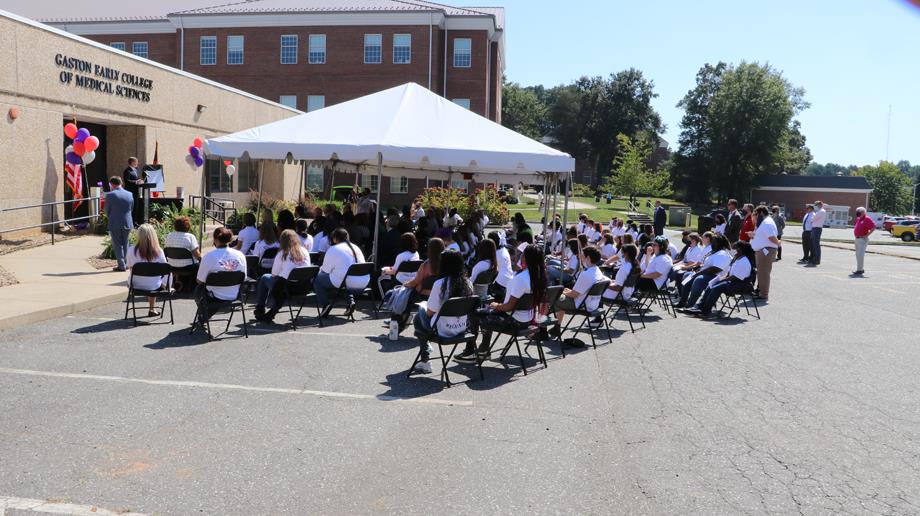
<point x="404" y="131"/>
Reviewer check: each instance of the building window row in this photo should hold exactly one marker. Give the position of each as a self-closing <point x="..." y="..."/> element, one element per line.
<point x="316" y="51"/>
<point x="138" y="48"/>
<point x="314" y="102"/>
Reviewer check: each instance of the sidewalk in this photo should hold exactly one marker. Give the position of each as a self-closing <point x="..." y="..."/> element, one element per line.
<point x="55" y="281"/>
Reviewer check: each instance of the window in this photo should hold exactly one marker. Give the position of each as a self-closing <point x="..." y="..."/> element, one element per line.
<point x="317" y="49"/>
<point x="315" y="102"/>
<point x="247" y="180"/>
<point x="463" y="53"/>
<point x="207" y="50"/>
<point x="288" y="100"/>
<point x="369" y="181"/>
<point x="139" y="48"/>
<point x="373" y="48"/>
<point x="120" y="45"/>
<point x="218" y="181"/>
<point x="314" y="179"/>
<point x="402" y="48"/>
<point x="289" y="49"/>
<point x="234" y="50"/>
<point x="462" y="184"/>
<point x="462" y="103"/>
<point x="399" y="184"/>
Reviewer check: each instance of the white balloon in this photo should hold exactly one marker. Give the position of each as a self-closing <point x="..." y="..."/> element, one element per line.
<point x="68" y="150"/>
<point x="89" y="157"/>
<point x="231" y="170"/>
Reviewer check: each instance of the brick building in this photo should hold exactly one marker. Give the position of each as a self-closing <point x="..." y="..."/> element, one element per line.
<point x="307" y="54"/>
<point x="793" y="193"/>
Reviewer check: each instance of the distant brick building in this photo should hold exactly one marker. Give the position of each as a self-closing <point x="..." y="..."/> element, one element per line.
<point x="795" y="192"/>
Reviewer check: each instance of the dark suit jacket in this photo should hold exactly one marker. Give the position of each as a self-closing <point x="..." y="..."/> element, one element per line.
<point x="130" y="176"/>
<point x="661" y="218"/>
<point x="733" y="226"/>
<point x="118" y="206"/>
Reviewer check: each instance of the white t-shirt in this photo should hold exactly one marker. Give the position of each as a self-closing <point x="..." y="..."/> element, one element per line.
<point x="720" y="229"/>
<point x="618" y="231"/>
<point x="419" y="213"/>
<point x="608" y="250"/>
<point x="452" y="220"/>
<point x="454" y="246"/>
<point x="182" y="241"/>
<point x="282" y="266"/>
<point x="447" y="326"/>
<point x="248" y="237"/>
<point x="338" y="259"/>
<point x="673" y="251"/>
<point x="572" y="264"/>
<point x="145" y="282"/>
<point x="817" y="221"/>
<point x="620" y="280"/>
<point x="405" y="256"/>
<point x="306" y="241"/>
<point x="661" y="264"/>
<point x="762" y="234"/>
<point x="517" y="288"/>
<point x="706" y="251"/>
<point x="219" y="260"/>
<point x="741" y="269"/>
<point x="587" y="279"/>
<point x="481" y="266"/>
<point x="320" y="243"/>
<point x="694" y="254"/>
<point x="485" y="220"/>
<point x="503" y="262"/>
<point x="720" y="259"/>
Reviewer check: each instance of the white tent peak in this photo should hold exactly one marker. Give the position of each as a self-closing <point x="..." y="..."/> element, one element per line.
<point x="409" y="125"/>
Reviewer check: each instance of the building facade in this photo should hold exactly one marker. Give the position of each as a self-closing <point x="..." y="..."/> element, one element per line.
<point x="793" y="193"/>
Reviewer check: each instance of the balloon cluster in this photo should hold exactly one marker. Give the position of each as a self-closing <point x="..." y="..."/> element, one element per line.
<point x="194" y="153"/>
<point x="230" y="168"/>
<point x="83" y="147"/>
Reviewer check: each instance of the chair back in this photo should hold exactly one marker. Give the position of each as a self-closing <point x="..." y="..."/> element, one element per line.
<point x="486" y="277"/>
<point x="303" y="274"/>
<point x="252" y="265"/>
<point x="553" y="294"/>
<point x="317" y="258"/>
<point x="459" y="306"/>
<point x="524" y="303"/>
<point x="409" y="266"/>
<point x="428" y="283"/>
<point x="268" y="256"/>
<point x="360" y="269"/>
<point x="633" y="278"/>
<point x="178" y="253"/>
<point x="225" y="279"/>
<point x="598" y="288"/>
<point x="144" y="269"/>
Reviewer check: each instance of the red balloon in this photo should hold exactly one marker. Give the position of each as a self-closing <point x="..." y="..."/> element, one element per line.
<point x="91" y="144"/>
<point x="70" y="130"/>
<point x="79" y="148"/>
<point x="227" y="162"/>
<point x="197" y="142"/>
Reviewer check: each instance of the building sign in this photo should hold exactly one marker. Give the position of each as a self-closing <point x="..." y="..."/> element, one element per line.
<point x="87" y="75"/>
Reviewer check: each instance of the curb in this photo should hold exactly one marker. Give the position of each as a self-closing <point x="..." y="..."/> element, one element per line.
<point x="869" y="250"/>
<point x="15" y="321"/>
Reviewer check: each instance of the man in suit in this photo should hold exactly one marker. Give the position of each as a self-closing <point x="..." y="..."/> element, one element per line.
<point x="661" y="218"/>
<point x="806" y="233"/>
<point x="734" y="222"/>
<point x="133" y="176"/>
<point x="118" y="206"/>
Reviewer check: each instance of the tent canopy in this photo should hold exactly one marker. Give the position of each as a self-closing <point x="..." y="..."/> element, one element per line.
<point x="411" y="127"/>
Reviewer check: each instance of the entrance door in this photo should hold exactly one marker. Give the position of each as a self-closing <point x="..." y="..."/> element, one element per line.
<point x="93" y="174"/>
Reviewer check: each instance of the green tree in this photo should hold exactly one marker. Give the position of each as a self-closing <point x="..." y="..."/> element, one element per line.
<point x="891" y="188"/>
<point x="631" y="175"/>
<point x="690" y="171"/>
<point x="522" y="110"/>
<point x="828" y="169"/>
<point x="792" y="156"/>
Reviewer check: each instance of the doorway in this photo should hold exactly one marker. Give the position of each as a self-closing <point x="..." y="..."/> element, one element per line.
<point x="94" y="174"/>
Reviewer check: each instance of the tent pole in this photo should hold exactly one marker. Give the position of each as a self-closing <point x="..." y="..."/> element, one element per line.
<point x="565" y="209"/>
<point x="545" y="192"/>
<point x="261" y="174"/>
<point x="376" y="213"/>
<point x="555" y="184"/>
<point x="303" y="172"/>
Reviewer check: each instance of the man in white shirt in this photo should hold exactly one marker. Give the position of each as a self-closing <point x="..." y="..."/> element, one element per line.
<point x="817" y="226"/>
<point x="221" y="259"/>
<point x="765" y="243"/>
<point x="419" y="213"/>
<point x="572" y="298"/>
<point x="340" y="256"/>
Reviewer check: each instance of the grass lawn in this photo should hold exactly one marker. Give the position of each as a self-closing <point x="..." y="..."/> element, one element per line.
<point x="600" y="211"/>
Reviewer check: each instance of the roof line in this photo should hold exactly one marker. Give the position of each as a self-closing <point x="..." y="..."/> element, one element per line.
<point x="192" y="11"/>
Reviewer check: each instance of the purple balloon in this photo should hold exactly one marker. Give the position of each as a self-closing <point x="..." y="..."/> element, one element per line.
<point x="194" y="151"/>
<point x="199" y="161"/>
<point x="82" y="134"/>
<point x="73" y="158"/>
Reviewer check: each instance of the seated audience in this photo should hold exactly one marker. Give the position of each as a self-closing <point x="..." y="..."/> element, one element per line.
<point x="220" y="259"/>
<point x="292" y="255"/>
<point x="655" y="274"/>
<point x="739" y="274"/>
<point x="181" y="237"/>
<point x="338" y="258"/>
<point x="249" y="235"/>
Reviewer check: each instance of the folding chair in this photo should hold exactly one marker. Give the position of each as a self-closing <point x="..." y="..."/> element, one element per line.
<point x="552" y="299"/>
<point x="735" y="300"/>
<point x="221" y="279"/>
<point x="625" y="304"/>
<point x="317" y="259"/>
<point x="267" y="260"/>
<point x="149" y="270"/>
<point x="524" y="303"/>
<point x="355" y="270"/>
<point x="407" y="267"/>
<point x="481" y="283"/>
<point x="299" y="286"/>
<point x="186" y="271"/>
<point x="453" y="307"/>
<point x="581" y="310"/>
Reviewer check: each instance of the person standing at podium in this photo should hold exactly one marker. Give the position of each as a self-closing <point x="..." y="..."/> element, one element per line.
<point x="134" y="176"/>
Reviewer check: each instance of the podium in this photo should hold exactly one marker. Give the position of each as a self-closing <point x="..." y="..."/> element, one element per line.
<point x="145" y="195"/>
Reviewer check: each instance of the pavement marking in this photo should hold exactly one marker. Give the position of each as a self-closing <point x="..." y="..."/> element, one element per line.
<point x="229" y="386"/>
<point x="44" y="506"/>
<point x="893" y="291"/>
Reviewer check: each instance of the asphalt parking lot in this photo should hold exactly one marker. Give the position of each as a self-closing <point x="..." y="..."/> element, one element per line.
<point x="814" y="409"/>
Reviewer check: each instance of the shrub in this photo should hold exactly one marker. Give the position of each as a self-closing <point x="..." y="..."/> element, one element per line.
<point x="581" y="190"/>
<point x="485" y="199"/>
<point x="162" y="228"/>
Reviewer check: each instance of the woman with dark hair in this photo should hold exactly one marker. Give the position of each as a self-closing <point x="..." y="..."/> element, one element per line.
<point x="571" y="299"/>
<point x="740" y="272"/>
<point x="522" y="230"/>
<point x="564" y="272"/>
<point x="316" y="225"/>
<point x="422" y="235"/>
<point x="647" y="235"/>
<point x="182" y="237"/>
<point x="285" y="221"/>
<point x="300" y="211"/>
<point x="323" y="240"/>
<point x="408" y="252"/>
<point x="338" y="258"/>
<point x="451" y="282"/>
<point x="609" y="249"/>
<point x="502" y="263"/>
<point x="531" y="279"/>
<point x="719" y="228"/>
<point x="302" y="230"/>
<point x="485" y="261"/>
<point x="659" y="266"/>
<point x="693" y="283"/>
<point x="268" y="239"/>
<point x="420" y="285"/>
<point x="358" y="232"/>
<point x="628" y="263"/>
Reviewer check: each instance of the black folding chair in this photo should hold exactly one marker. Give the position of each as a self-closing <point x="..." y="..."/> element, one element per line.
<point x="740" y="297"/>
<point x="299" y="286"/>
<point x="164" y="293"/>
<point x="317" y="259"/>
<point x="552" y="299"/>
<point x="407" y="267"/>
<point x="267" y="260"/>
<point x="514" y="332"/>
<point x="355" y="270"/>
<point x="185" y="271"/>
<point x="625" y="304"/>
<point x="453" y="307"/>
<point x="581" y="310"/>
<point x="211" y="305"/>
<point x="483" y="281"/>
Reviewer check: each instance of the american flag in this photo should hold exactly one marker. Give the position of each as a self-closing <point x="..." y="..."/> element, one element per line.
<point x="74" y="179"/>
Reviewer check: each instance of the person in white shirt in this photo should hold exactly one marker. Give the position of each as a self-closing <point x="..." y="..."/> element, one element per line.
<point x="655" y="274"/>
<point x="719" y="229"/>
<point x="765" y="243"/>
<point x="452" y="282"/>
<point x="408" y="247"/>
<point x="452" y="218"/>
<point x="486" y="260"/>
<point x="147" y="250"/>
<point x="628" y="262"/>
<point x="619" y="229"/>
<point x="292" y="255"/>
<point x="418" y="213"/>
<point x="220" y="259"/>
<point x="181" y="237"/>
<point x="817" y="226"/>
<point x="572" y="299"/>
<point x="249" y="235"/>
<point x="609" y="249"/>
<point x="693" y="256"/>
<point x="693" y="283"/>
<point x="268" y="239"/>
<point x="565" y="272"/>
<point x="502" y="261"/>
<point x="342" y="255"/>
<point x="729" y="282"/>
<point x="306" y="239"/>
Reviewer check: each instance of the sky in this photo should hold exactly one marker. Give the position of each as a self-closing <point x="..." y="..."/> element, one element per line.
<point x="854" y="58"/>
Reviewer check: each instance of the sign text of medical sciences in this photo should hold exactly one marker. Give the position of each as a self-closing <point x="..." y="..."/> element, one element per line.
<point x="90" y="76"/>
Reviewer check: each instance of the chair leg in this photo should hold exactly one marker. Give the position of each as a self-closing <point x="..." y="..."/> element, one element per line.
<point x="607" y="327"/>
<point x="418" y="358"/>
<point x="245" y="323"/>
<point x="290" y="301"/>
<point x="171" y="321"/>
<point x="445" y="361"/>
<point x="127" y="304"/>
<point x="517" y="345"/>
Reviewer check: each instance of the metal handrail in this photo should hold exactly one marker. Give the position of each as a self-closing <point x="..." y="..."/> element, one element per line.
<point x="54" y="222"/>
<point x="212" y="205"/>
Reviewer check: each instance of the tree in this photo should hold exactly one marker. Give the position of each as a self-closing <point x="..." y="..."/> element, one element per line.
<point x="891" y="188"/>
<point x="792" y="156"/>
<point x="522" y="110"/>
<point x="829" y="169"/>
<point x="631" y="176"/>
<point x="690" y="171"/>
